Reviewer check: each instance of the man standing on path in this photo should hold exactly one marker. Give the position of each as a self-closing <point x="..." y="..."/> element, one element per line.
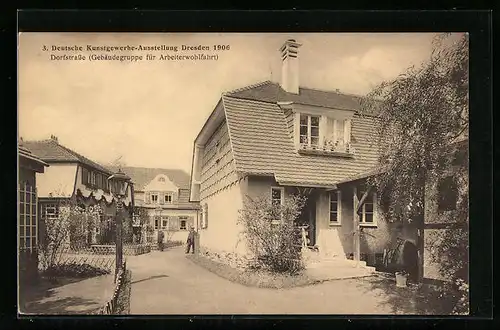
<point x="160" y="240"/>
<point x="190" y="240"/>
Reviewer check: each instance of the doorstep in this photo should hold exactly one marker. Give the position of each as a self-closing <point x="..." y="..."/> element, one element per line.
<point x="337" y="268"/>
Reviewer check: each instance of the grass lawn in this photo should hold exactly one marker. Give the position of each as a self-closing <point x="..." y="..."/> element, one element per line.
<point x="252" y="278"/>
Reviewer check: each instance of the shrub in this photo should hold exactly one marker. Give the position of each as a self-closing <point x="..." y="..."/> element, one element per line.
<point x="72" y="225"/>
<point x="271" y="235"/>
<point x="123" y="299"/>
<point x="74" y="270"/>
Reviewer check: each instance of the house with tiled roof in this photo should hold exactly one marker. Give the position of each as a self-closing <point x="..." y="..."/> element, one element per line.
<point x="74" y="177"/>
<point x="164" y="194"/>
<point x="278" y="139"/>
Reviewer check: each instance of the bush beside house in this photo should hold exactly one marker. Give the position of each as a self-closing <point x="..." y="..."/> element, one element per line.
<point x="271" y="234"/>
<point x="274" y="258"/>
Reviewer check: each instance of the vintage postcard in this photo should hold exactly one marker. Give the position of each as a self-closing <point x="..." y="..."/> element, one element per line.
<point x="243" y="173"/>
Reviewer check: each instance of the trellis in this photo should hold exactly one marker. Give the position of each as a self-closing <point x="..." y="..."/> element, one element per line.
<point x="28" y="218"/>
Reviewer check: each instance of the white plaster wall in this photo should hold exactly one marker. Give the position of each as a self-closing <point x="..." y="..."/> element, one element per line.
<point x="223" y="232"/>
<point x="57" y="181"/>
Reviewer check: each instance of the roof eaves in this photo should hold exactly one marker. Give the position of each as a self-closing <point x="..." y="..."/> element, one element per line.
<point x="208" y="119"/>
<point x="30" y="156"/>
<point x="307" y="185"/>
<point x="364" y="175"/>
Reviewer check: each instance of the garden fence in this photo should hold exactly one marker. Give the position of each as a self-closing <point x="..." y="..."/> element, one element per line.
<point x="112" y="307"/>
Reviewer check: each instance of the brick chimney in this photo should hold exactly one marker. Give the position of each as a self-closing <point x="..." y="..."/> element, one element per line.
<point x="290" y="67"/>
<point x="54" y="138"/>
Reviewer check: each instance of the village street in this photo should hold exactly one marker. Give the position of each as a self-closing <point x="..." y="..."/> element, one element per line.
<point x="168" y="283"/>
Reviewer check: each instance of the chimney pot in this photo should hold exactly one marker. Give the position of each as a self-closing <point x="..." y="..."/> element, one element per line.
<point x="290" y="66"/>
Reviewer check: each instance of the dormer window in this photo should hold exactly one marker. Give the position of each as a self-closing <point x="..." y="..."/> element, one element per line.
<point x="161" y="179"/>
<point x="325" y="134"/>
<point x="309" y="130"/>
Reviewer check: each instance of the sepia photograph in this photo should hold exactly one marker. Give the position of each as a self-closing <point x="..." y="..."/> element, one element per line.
<point x="243" y="173"/>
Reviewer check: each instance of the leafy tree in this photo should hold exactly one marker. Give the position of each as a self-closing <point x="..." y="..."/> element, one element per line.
<point x="421" y="114"/>
<point x="142" y="215"/>
<point x="271" y="234"/>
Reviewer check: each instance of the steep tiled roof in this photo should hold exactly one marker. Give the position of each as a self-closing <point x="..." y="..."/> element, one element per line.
<point x="142" y="176"/>
<point x="25" y="153"/>
<point x="262" y="145"/>
<point x="272" y="92"/>
<point x="51" y="151"/>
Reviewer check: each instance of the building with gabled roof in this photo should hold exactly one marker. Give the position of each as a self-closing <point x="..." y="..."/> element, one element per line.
<point x="164" y="195"/>
<point x="278" y="139"/>
<point x="75" y="178"/>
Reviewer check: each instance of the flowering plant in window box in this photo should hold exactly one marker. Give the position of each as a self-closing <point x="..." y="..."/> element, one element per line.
<point x="349" y="148"/>
<point x="304" y="142"/>
<point x="330" y="145"/>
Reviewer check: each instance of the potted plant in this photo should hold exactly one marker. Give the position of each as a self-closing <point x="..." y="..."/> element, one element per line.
<point x="401" y="278"/>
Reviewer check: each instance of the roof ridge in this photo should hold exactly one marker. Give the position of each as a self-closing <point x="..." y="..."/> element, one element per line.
<point x="249" y="99"/>
<point x="38" y="141"/>
<point x="331" y="91"/>
<point x="248" y="87"/>
<point x="78" y="155"/>
<point x="152" y="168"/>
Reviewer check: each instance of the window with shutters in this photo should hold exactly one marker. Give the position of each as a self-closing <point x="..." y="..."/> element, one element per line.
<point x="164" y="222"/>
<point x="168" y="198"/>
<point x="154" y="198"/>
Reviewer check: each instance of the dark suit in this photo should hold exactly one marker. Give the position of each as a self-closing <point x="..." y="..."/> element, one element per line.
<point x="160" y="240"/>
<point x="190" y="242"/>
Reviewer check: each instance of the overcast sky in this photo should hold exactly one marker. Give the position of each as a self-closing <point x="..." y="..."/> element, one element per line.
<point x="149" y="112"/>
